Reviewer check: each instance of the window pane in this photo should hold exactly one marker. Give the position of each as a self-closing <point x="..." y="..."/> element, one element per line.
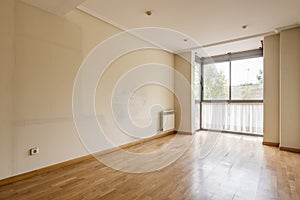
<point x="247" y="79"/>
<point x="235" y="117"/>
<point x="216" y="81"/>
<point x="196" y="86"/>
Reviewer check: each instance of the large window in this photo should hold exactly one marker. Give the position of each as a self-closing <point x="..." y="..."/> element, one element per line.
<point x="233" y="80"/>
<point x="247" y="79"/>
<point x="216" y="81"/>
<point x="232" y="92"/>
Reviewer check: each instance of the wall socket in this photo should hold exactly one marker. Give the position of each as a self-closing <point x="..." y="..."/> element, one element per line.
<point x="34" y="151"/>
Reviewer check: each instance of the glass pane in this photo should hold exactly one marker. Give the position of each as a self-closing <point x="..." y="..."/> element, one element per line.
<point x="216" y="81"/>
<point x="196" y="91"/>
<point x="196" y="86"/>
<point x="247" y="79"/>
<point x="197" y="115"/>
<point x="235" y="117"/>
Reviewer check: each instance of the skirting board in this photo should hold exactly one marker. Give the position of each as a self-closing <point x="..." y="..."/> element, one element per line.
<point x="185" y="132"/>
<point x="77" y="160"/>
<point x="294" y="150"/>
<point x="273" y="144"/>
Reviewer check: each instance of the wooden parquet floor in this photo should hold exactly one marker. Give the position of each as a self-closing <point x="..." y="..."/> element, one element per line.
<point x="238" y="167"/>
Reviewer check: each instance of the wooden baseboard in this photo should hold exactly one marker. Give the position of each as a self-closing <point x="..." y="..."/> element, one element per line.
<point x="77" y="160"/>
<point x="294" y="150"/>
<point x="146" y="140"/>
<point x="185" y="132"/>
<point x="273" y="144"/>
<point x="133" y="143"/>
<point x="42" y="170"/>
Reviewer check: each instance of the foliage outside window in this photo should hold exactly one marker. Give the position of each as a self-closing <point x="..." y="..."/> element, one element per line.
<point x="233" y="80"/>
<point x="216" y="81"/>
<point x="247" y="79"/>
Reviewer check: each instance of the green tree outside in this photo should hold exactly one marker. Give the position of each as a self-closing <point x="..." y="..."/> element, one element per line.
<point x="215" y="84"/>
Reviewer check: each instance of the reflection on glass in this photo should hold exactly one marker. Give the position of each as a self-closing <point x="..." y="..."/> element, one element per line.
<point x="216" y="81"/>
<point x="197" y="96"/>
<point x="196" y="86"/>
<point x="247" y="79"/>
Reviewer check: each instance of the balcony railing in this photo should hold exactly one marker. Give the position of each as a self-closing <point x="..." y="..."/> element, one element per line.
<point x="243" y="117"/>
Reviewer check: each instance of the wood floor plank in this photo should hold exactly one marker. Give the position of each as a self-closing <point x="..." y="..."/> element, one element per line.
<point x="238" y="167"/>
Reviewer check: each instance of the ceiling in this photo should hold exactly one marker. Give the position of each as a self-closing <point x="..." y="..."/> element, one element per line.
<point x="208" y="22"/>
<point x="205" y="23"/>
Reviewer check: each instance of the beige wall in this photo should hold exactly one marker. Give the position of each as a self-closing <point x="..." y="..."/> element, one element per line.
<point x="183" y="65"/>
<point x="48" y="52"/>
<point x="7" y="65"/>
<point x="140" y="104"/>
<point x="290" y="88"/>
<point x="271" y="88"/>
<point x="93" y="30"/>
<point x="282" y="88"/>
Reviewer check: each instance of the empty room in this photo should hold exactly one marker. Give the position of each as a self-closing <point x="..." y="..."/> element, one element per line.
<point x="139" y="99"/>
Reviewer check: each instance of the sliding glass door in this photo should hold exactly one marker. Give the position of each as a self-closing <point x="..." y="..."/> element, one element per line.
<point x="196" y="95"/>
<point x="231" y="88"/>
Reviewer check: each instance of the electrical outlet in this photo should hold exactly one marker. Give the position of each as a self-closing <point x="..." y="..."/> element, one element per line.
<point x="34" y="151"/>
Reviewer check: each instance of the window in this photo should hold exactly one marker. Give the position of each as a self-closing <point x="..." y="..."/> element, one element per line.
<point x="247" y="79"/>
<point x="237" y="79"/>
<point x="197" y="96"/>
<point x="216" y="81"/>
<point x="232" y="92"/>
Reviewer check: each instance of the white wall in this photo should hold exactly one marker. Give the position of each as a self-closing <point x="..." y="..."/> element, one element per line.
<point x="290" y="88"/>
<point x="48" y="51"/>
<point x="271" y="88"/>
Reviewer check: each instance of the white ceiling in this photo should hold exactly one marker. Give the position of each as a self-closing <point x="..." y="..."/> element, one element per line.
<point x="205" y="23"/>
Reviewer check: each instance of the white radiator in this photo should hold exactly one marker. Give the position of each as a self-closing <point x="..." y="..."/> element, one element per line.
<point x="167" y="120"/>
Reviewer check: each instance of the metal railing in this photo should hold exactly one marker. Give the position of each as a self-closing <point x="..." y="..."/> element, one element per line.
<point x="239" y="117"/>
